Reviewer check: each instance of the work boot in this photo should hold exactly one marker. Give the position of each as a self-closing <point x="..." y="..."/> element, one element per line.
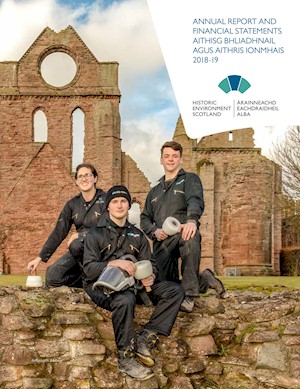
<point x="129" y="365"/>
<point x="187" y="304"/>
<point x="146" y="341"/>
<point x="209" y="279"/>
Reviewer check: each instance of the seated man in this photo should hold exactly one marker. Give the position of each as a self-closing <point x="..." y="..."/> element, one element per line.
<point x="178" y="194"/>
<point x="110" y="244"/>
<point x="84" y="210"/>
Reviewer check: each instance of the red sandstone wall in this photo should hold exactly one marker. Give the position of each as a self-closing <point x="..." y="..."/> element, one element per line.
<point x="30" y="207"/>
<point x="36" y="178"/>
<point x="241" y="224"/>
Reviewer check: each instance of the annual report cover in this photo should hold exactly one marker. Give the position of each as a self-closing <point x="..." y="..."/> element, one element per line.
<point x="232" y="64"/>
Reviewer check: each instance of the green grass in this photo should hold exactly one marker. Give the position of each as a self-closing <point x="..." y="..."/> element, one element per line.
<point x="231" y="283"/>
<point x="8" y="280"/>
<point x="245" y="282"/>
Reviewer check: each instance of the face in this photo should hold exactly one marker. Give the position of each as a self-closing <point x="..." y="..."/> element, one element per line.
<point x="85" y="179"/>
<point x="118" y="209"/>
<point x="171" y="160"/>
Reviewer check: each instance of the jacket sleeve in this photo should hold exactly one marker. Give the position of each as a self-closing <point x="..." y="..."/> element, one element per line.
<point x="194" y="197"/>
<point x="145" y="253"/>
<point x="59" y="233"/>
<point x="92" y="263"/>
<point x="147" y="224"/>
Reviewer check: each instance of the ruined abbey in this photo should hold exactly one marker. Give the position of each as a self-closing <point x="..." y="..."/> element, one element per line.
<point x="241" y="227"/>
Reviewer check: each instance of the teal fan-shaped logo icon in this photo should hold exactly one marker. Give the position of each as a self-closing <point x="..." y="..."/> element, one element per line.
<point x="234" y="82"/>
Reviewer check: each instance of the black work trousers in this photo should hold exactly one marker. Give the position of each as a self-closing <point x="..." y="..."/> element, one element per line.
<point x="168" y="251"/>
<point x="67" y="270"/>
<point x="166" y="296"/>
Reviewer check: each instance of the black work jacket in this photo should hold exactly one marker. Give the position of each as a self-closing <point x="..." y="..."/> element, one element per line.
<point x="182" y="199"/>
<point x="76" y="212"/>
<point x="105" y="243"/>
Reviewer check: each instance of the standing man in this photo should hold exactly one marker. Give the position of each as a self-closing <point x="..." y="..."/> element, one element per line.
<point x="84" y="211"/>
<point x="178" y="194"/>
<point x="110" y="245"/>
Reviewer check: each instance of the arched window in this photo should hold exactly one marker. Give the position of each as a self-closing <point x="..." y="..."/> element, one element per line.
<point x="40" y="127"/>
<point x="77" y="138"/>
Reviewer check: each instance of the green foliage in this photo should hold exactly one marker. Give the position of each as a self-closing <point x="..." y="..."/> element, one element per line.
<point x="247" y="330"/>
<point x="266" y="285"/>
<point x="222" y="350"/>
<point x="290" y="262"/>
<point x="259" y="283"/>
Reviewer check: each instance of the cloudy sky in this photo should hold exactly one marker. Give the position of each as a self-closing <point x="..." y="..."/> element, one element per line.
<point x="114" y="30"/>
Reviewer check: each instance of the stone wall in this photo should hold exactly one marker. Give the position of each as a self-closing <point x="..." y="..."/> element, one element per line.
<point x="36" y="178"/>
<point x="58" y="339"/>
<point x="241" y="224"/>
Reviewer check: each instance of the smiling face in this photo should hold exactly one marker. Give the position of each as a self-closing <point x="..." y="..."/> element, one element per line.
<point x="85" y="180"/>
<point x="171" y="161"/>
<point x="118" y="210"/>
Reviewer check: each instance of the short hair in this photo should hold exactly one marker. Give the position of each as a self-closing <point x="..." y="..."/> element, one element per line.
<point x="174" y="145"/>
<point x="88" y="166"/>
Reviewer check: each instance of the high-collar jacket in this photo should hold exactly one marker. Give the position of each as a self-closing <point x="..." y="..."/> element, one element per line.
<point x="105" y="243"/>
<point x="182" y="199"/>
<point x="78" y="213"/>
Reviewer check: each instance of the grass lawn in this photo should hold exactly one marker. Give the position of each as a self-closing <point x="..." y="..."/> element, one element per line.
<point x="231" y="283"/>
<point x="8" y="280"/>
<point x="261" y="283"/>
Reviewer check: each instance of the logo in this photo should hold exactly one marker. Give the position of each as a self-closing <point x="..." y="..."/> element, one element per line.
<point x="234" y="82"/>
<point x="132" y="234"/>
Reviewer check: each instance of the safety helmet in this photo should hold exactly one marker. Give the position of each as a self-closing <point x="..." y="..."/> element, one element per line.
<point x="113" y="279"/>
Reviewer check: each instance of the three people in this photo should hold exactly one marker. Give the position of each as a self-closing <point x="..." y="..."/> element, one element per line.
<point x="178" y="194"/>
<point x="105" y="240"/>
<point x="83" y="211"/>
<point x="113" y="244"/>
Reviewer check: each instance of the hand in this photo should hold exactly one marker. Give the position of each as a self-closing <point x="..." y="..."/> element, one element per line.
<point x="72" y="237"/>
<point x="148" y="281"/>
<point x="32" y="265"/>
<point x="188" y="230"/>
<point x="160" y="234"/>
<point x="124" y="265"/>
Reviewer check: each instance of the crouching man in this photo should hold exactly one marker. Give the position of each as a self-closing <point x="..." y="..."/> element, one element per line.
<point x="111" y="244"/>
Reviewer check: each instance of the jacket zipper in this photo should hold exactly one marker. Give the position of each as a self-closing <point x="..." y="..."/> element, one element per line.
<point x="134" y="248"/>
<point x="106" y="247"/>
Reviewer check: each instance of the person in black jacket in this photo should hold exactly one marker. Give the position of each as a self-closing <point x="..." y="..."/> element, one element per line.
<point x="83" y="211"/>
<point x="178" y="194"/>
<point x="113" y="244"/>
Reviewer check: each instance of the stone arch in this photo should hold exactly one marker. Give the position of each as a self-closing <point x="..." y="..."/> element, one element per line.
<point x="78" y="135"/>
<point x="203" y="163"/>
<point x="95" y="90"/>
<point x="40" y="126"/>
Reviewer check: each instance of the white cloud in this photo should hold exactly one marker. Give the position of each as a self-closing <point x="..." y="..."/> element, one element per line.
<point x="266" y="137"/>
<point x="143" y="142"/>
<point x="22" y="21"/>
<point x="122" y="32"/>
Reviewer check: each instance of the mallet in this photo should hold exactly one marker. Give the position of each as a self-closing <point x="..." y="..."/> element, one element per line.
<point x="143" y="270"/>
<point x="171" y="225"/>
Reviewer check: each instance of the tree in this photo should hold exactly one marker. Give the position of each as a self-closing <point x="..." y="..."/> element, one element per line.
<point x="286" y="152"/>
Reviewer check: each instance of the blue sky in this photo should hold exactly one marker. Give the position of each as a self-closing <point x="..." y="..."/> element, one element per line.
<point x="114" y="30"/>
